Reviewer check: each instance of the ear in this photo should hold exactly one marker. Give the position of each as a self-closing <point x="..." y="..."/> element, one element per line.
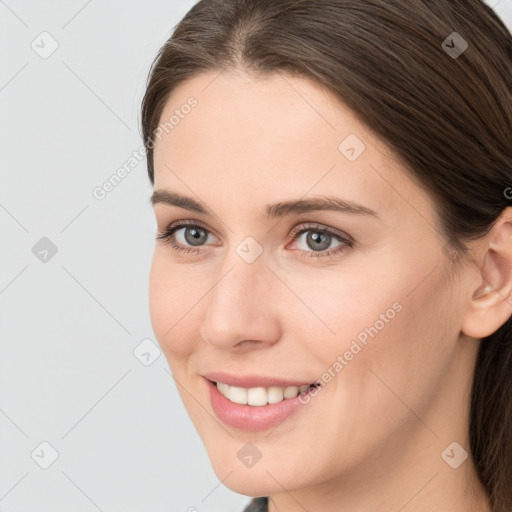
<point x="490" y="295"/>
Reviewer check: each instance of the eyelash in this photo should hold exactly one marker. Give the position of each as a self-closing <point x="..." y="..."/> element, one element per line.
<point x="167" y="237"/>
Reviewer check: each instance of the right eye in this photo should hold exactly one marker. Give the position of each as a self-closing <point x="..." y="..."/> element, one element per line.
<point x="185" y="236"/>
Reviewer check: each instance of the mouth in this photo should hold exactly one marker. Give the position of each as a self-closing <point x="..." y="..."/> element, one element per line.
<point x="260" y="396"/>
<point x="257" y="408"/>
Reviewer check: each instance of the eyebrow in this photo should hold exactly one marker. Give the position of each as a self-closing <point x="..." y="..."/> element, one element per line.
<point x="272" y="211"/>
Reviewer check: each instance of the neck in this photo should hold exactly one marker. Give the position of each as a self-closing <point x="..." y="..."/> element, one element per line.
<point x="412" y="485"/>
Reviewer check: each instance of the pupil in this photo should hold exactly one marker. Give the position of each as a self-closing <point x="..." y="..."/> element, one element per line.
<point x="195" y="236"/>
<point x="319" y="241"/>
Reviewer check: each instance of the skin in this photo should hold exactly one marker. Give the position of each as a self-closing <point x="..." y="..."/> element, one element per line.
<point x="372" y="439"/>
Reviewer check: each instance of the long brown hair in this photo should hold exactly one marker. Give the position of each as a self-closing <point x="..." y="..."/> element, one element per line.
<point x="444" y="108"/>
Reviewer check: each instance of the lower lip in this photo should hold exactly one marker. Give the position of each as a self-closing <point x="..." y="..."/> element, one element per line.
<point x="251" y="417"/>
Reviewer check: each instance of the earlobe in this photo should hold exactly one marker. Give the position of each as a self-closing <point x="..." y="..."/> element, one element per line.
<point x="490" y="305"/>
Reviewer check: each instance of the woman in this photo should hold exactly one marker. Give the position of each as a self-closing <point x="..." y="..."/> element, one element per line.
<point x="332" y="278"/>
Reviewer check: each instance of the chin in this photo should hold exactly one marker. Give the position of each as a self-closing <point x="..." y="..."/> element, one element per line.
<point x="258" y="480"/>
<point x="250" y="484"/>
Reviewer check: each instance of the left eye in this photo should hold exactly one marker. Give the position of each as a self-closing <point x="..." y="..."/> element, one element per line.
<point x="316" y="240"/>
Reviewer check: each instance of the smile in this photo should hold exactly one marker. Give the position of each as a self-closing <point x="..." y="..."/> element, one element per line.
<point x="258" y="408"/>
<point x="259" y="396"/>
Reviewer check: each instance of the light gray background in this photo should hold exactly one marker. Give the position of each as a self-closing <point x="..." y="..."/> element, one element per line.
<point x="69" y="325"/>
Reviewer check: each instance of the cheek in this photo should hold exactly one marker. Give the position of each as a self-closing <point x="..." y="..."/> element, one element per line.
<point x="398" y="325"/>
<point x="173" y="295"/>
<point x="343" y="309"/>
<point x="407" y="349"/>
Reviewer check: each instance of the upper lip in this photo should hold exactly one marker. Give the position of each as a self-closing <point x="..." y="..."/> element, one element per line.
<point x="252" y="381"/>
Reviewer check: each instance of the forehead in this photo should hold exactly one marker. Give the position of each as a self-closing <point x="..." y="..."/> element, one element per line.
<point x="268" y="114"/>
<point x="273" y="137"/>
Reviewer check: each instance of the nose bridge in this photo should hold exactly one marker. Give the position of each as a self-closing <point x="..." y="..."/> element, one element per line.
<point x="238" y="306"/>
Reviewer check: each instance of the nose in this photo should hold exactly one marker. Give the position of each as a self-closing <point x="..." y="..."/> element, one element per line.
<point x="241" y="311"/>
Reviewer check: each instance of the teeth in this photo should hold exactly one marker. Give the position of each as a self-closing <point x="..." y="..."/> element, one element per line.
<point x="238" y="395"/>
<point x="291" y="392"/>
<point x="259" y="396"/>
<point x="275" y="395"/>
<point x="256" y="396"/>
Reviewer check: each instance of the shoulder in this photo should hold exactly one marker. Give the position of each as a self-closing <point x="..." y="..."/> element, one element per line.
<point x="257" y="505"/>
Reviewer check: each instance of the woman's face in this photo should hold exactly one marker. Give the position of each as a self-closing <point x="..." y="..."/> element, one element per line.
<point x="361" y="302"/>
